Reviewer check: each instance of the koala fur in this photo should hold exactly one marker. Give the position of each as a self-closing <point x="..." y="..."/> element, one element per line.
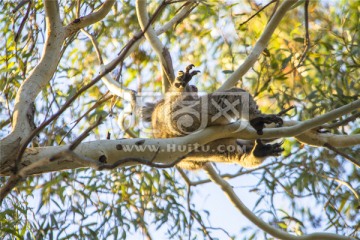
<point x="183" y="111"/>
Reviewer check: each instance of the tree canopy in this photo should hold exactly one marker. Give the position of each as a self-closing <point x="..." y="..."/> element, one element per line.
<point x="72" y="75"/>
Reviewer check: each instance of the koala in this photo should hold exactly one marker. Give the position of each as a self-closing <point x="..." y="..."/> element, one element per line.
<point x="183" y="111"/>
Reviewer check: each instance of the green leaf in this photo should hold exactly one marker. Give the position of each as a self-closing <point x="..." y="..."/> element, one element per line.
<point x="285" y="62"/>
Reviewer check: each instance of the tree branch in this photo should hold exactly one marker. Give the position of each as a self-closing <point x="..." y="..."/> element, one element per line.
<point x="161" y="51"/>
<point x="141" y="148"/>
<point x="12" y="142"/>
<point x="346" y="156"/>
<point x="53" y="19"/>
<point x="37" y="80"/>
<point x="259" y="46"/>
<point x="105" y="70"/>
<point x="235" y="200"/>
<point x="257" y="12"/>
<point x="342" y="122"/>
<point x="94" y="17"/>
<point x="315" y="122"/>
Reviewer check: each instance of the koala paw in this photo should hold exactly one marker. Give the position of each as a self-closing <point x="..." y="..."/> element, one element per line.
<point x="258" y="123"/>
<point x="264" y="150"/>
<point x="183" y="78"/>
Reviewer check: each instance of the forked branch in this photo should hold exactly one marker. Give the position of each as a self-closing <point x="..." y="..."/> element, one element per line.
<point x="236" y="201"/>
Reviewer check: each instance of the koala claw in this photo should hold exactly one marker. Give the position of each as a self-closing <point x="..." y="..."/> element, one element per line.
<point x="264" y="150"/>
<point x="188" y="68"/>
<point x="258" y="123"/>
<point x="183" y="78"/>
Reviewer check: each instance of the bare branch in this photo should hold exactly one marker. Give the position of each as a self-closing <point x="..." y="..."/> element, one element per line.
<point x="95" y="44"/>
<point x="20" y="5"/>
<point x="306" y="125"/>
<point x="37" y="80"/>
<point x="92" y="18"/>
<point x="257" y="13"/>
<point x="307" y="36"/>
<point x="141" y="161"/>
<point x="69" y="156"/>
<point x="342" y="122"/>
<point x="351" y="159"/>
<point x="23" y="21"/>
<point x="53" y="19"/>
<point x="259" y="46"/>
<point x="12" y="182"/>
<point x="84" y="134"/>
<point x="235" y="200"/>
<point x="161" y="51"/>
<point x="303" y="131"/>
<point x="314" y="138"/>
<point x="342" y="183"/>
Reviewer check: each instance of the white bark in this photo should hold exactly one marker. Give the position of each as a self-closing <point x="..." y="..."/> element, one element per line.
<point x="40" y="76"/>
<point x="90" y="19"/>
<point x="37" y="80"/>
<point x="259" y="46"/>
<point x="161" y="51"/>
<point x="110" y="148"/>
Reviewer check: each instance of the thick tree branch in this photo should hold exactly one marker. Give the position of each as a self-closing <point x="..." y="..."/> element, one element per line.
<point x="259" y="46"/>
<point x="37" y="80"/>
<point x="161" y="51"/>
<point x="142" y="148"/>
<point x="314" y="138"/>
<point x="235" y="200"/>
<point x="11" y="143"/>
<point x="342" y="122"/>
<point x="315" y="122"/>
<point x="53" y="19"/>
<point x="8" y="146"/>
<point x="94" y="17"/>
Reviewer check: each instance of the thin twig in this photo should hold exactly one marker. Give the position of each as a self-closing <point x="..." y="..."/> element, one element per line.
<point x="282" y="112"/>
<point x="351" y="159"/>
<point x="22" y="3"/>
<point x="23" y="21"/>
<point x="10" y="184"/>
<point x="289" y="192"/>
<point x="257" y="13"/>
<point x="274" y="10"/>
<point x="230" y="176"/>
<point x="307" y="36"/>
<point x="95" y="45"/>
<point x="84" y="134"/>
<point x="97" y="104"/>
<point x="331" y="196"/>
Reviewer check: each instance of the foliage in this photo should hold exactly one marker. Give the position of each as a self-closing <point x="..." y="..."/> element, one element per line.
<point x="139" y="200"/>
